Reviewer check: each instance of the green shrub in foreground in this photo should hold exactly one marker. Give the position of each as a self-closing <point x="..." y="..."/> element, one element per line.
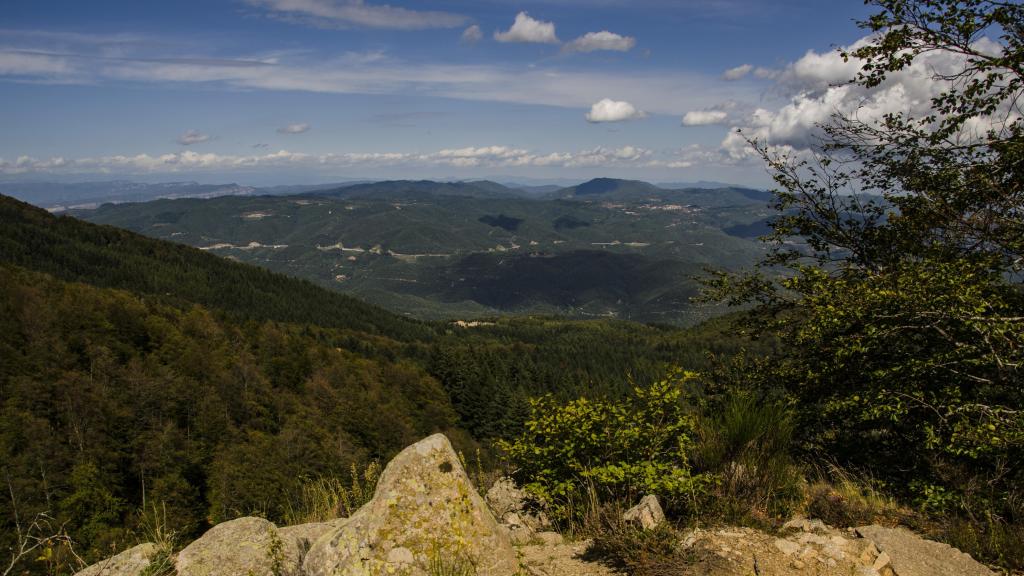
<point x="623" y="449"/>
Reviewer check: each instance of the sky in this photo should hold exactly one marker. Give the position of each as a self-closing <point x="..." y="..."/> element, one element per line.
<point x="300" y="91"/>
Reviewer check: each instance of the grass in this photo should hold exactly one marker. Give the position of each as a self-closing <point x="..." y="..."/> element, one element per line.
<point x="155" y="529"/>
<point x="326" y="497"/>
<point x="444" y="563"/>
<point x="841" y="498"/>
<point x="746" y="443"/>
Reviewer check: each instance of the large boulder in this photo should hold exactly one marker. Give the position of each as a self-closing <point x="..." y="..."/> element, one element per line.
<point x="248" y="547"/>
<point x="425" y="518"/>
<point x="910" y="555"/>
<point x="131" y="562"/>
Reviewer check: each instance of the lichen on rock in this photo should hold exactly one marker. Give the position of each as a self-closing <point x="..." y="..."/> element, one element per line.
<point x="424" y="514"/>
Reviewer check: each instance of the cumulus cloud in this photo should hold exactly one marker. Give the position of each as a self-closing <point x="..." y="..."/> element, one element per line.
<point x="603" y="40"/>
<point x="704" y="117"/>
<point x="297" y="128"/>
<point x="737" y="72"/>
<point x="818" y="87"/>
<point x="472" y="35"/>
<point x="527" y="29"/>
<point x="190" y="137"/>
<point x="608" y="110"/>
<point x="357" y="13"/>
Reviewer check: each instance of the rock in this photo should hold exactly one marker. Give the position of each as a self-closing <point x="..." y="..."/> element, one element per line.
<point x="911" y="555"/>
<point x="244" y="546"/>
<point x="425" y="517"/>
<point x="520" y="536"/>
<point x="506" y="499"/>
<point x="131" y="562"/>
<point x="548" y="538"/>
<point x="787" y="547"/>
<point x="648" y="512"/>
<point x="301" y="537"/>
<point x="805" y="525"/>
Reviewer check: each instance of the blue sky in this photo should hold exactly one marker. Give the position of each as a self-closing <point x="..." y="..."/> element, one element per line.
<point x="280" y="91"/>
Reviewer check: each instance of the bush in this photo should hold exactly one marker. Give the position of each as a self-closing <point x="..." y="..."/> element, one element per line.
<point x="633" y="550"/>
<point x="635" y="446"/>
<point x="745" y="442"/>
<point x="843" y="500"/>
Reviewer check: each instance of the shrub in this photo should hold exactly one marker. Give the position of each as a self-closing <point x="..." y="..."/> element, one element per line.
<point x="844" y="500"/>
<point x="633" y="550"/>
<point x="745" y="442"/>
<point x="622" y="448"/>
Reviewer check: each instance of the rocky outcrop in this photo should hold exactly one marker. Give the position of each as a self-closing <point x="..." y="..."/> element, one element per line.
<point x="911" y="555"/>
<point x="648" y="513"/>
<point x="516" y="510"/>
<point x="425" y="517"/>
<point x="250" y="546"/>
<point x="131" y="562"/>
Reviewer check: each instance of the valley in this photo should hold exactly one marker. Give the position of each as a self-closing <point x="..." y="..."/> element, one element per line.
<point x="606" y="248"/>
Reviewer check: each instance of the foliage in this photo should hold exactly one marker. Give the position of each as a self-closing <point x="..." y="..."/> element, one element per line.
<point x="839" y="498"/>
<point x="638" y="445"/>
<point x="110" y="401"/>
<point x="745" y="441"/>
<point x="901" y="242"/>
<point x="634" y="550"/>
<point x="438" y="257"/>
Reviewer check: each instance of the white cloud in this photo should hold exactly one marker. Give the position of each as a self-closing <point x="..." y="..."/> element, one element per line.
<point x="190" y="137"/>
<point x="297" y="128"/>
<point x="818" y="87"/>
<point x="603" y="40"/>
<point x="358" y="13"/>
<point x="662" y="91"/>
<point x="608" y="110"/>
<point x="469" y="157"/>
<point x="472" y="35"/>
<point x="704" y="117"/>
<point x="737" y="72"/>
<point x="527" y="29"/>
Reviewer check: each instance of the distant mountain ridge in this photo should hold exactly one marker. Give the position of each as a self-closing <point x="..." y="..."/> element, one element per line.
<point x="603" y="248"/>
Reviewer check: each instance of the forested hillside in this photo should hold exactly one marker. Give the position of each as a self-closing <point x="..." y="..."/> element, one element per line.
<point x="136" y="373"/>
<point x="607" y="248"/>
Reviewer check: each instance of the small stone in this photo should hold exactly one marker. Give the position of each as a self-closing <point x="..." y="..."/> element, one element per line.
<point x="520" y="535"/>
<point x="401" y="555"/>
<point x="815" y="526"/>
<point x="838" y="541"/>
<point x="787" y="547"/>
<point x="549" y="538"/>
<point x="797" y="523"/>
<point x="648" y="512"/>
<point x="882" y="561"/>
<point x="798" y="564"/>
<point x="808" y="538"/>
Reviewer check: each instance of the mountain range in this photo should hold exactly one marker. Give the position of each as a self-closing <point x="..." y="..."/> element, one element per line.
<point x="603" y="248"/>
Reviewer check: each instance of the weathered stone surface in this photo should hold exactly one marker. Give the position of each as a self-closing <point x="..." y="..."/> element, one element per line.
<point x="647" y="513"/>
<point x="910" y="555"/>
<point x="131" y="562"/>
<point x="424" y="511"/>
<point x="241" y="546"/>
<point x="506" y="499"/>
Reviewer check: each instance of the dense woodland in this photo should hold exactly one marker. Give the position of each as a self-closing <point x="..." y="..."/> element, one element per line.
<point x="121" y="394"/>
<point x="874" y="374"/>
